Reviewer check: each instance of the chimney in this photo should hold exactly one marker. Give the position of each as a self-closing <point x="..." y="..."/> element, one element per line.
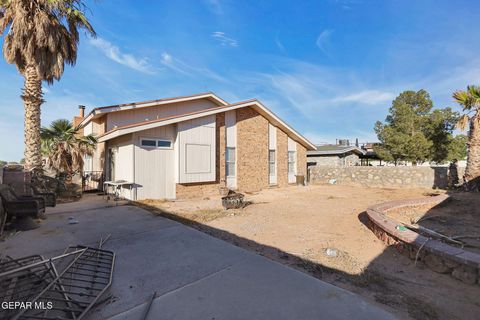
<point x="78" y="119"/>
<point x="82" y="111"/>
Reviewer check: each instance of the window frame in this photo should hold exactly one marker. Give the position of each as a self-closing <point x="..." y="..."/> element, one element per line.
<point x="165" y="140"/>
<point x="229" y="162"/>
<point x="293" y="162"/>
<point x="156" y="143"/>
<point x="272" y="162"/>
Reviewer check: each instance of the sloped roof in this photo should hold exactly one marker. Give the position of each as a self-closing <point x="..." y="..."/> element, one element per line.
<point x="99" y="111"/>
<point x="332" y="149"/>
<point x="255" y="104"/>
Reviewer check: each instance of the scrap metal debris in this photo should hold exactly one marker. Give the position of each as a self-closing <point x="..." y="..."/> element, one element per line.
<point x="46" y="293"/>
<point x="233" y="200"/>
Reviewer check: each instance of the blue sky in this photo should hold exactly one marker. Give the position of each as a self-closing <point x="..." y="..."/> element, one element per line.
<point x="329" y="68"/>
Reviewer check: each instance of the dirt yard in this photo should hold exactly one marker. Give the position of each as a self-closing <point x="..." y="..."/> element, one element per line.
<point x="458" y="219"/>
<point x="319" y="230"/>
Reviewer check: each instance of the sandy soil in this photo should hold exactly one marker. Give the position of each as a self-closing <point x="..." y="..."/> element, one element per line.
<point x="318" y="229"/>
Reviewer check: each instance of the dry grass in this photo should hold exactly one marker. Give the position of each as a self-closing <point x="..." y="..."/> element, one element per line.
<point x="189" y="217"/>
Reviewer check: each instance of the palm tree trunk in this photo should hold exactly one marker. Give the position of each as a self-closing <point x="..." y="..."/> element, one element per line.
<point x="473" y="161"/>
<point x="32" y="98"/>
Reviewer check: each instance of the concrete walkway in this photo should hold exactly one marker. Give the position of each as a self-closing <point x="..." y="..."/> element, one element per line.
<point x="195" y="276"/>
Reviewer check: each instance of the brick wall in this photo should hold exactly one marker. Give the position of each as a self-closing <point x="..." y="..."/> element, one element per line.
<point x="197" y="190"/>
<point x="194" y="190"/>
<point x="252" y="157"/>
<point x="99" y="156"/>
<point x="301" y="160"/>
<point x="252" y="150"/>
<point x="76" y="122"/>
<point x="282" y="158"/>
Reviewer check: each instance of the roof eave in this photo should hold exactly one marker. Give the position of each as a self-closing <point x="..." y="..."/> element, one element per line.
<point x="98" y="112"/>
<point x="259" y="107"/>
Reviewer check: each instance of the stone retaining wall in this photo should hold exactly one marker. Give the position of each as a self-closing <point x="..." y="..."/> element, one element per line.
<point x="386" y="177"/>
<point x="436" y="255"/>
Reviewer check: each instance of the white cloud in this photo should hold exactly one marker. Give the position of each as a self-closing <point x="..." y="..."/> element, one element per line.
<point x="224" y="40"/>
<point x="323" y="39"/>
<point x="370" y="97"/>
<point x="129" y="60"/>
<point x="179" y="66"/>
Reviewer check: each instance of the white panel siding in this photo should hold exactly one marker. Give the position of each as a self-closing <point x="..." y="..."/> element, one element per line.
<point x="127" y="117"/>
<point x="196" y="137"/>
<point x="154" y="167"/>
<point x="272" y="145"/>
<point x="272" y="137"/>
<point x="123" y="149"/>
<point x="230" y="125"/>
<point x="199" y="158"/>
<point x="231" y="142"/>
<point x="124" y="163"/>
<point x="88" y="129"/>
<point x="292" y="146"/>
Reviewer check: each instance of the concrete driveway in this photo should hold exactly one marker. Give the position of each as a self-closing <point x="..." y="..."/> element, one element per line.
<point x="195" y="275"/>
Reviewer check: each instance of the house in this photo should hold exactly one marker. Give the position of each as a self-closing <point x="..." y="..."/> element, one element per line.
<point x="337" y="155"/>
<point x="193" y="146"/>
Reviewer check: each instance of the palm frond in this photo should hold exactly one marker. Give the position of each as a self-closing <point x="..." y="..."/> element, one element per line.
<point x="464" y="99"/>
<point x="46" y="34"/>
<point x="65" y="147"/>
<point x="463" y="122"/>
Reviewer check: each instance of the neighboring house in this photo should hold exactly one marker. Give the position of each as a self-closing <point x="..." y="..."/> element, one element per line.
<point x="193" y="146"/>
<point x="335" y="155"/>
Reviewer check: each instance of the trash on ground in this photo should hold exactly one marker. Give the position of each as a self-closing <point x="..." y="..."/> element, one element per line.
<point x="72" y="220"/>
<point x="331" y="252"/>
<point x="233" y="200"/>
<point x="68" y="285"/>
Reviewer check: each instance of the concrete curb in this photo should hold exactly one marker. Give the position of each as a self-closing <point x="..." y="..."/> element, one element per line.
<point x="438" y="256"/>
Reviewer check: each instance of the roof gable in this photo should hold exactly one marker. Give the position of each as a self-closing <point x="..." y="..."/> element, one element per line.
<point x="255" y="104"/>
<point x="100" y="111"/>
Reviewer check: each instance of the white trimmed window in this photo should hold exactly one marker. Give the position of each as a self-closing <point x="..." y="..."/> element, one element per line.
<point x="291" y="162"/>
<point x="230" y="161"/>
<point x="271" y="162"/>
<point x="88" y="163"/>
<point x="156" y="143"/>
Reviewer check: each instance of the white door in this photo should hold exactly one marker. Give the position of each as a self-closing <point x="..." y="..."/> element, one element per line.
<point x="155" y="168"/>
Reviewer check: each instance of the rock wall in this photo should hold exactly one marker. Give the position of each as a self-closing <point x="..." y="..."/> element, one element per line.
<point x="348" y="161"/>
<point x="386" y="177"/>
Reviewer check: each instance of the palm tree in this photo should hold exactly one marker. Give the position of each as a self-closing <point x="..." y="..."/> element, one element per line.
<point x="65" y="147"/>
<point x="42" y="36"/>
<point x="470" y="101"/>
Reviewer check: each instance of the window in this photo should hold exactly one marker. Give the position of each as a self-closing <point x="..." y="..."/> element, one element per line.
<point x="148" y="143"/>
<point x="156" y="143"/>
<point x="271" y="162"/>
<point x="88" y="163"/>
<point x="291" y="162"/>
<point x="230" y="161"/>
<point x="164" y="143"/>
